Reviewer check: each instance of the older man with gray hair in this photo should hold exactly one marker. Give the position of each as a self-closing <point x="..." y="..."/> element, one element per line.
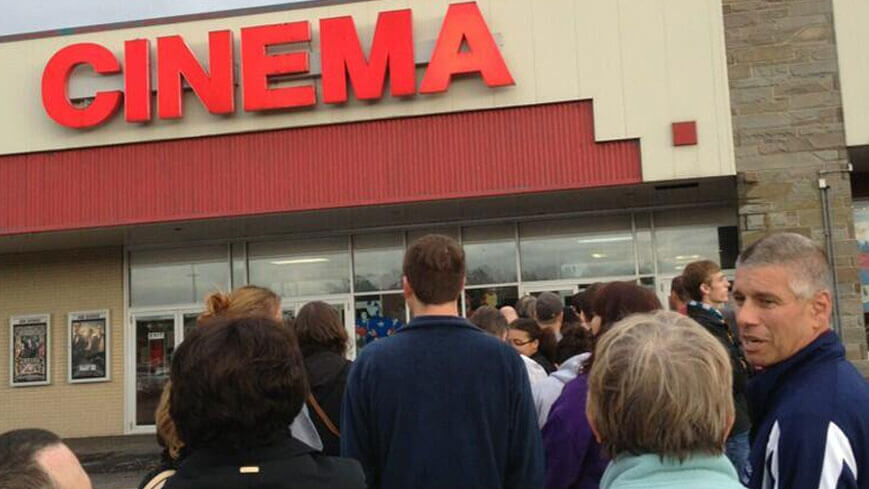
<point x="809" y="406"/>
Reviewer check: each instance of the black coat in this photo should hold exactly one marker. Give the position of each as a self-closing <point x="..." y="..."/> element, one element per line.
<point x="327" y="376"/>
<point x="720" y="330"/>
<point x="285" y="464"/>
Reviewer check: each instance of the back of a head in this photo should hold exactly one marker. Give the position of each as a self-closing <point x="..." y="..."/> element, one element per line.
<point x="526" y="307"/>
<point x="661" y="384"/>
<point x="434" y="266"/>
<point x="248" y="300"/>
<point x="574" y="340"/>
<point x="19" y="468"/>
<point x="317" y="324"/>
<point x="809" y="271"/>
<point x="583" y="300"/>
<point x="677" y="286"/>
<point x="237" y="383"/>
<point x="489" y="320"/>
<point x="548" y="307"/>
<point x="617" y="300"/>
<point x="696" y="274"/>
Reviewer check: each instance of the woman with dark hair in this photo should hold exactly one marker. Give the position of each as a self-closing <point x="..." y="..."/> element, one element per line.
<point x="536" y="343"/>
<point x="574" y="459"/>
<point x="323" y="341"/>
<point x="237" y="382"/>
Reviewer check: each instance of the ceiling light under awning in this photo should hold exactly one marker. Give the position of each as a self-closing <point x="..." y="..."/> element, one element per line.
<point x="299" y="261"/>
<point x="612" y="239"/>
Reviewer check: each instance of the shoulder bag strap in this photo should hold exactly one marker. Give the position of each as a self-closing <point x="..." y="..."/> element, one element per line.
<point x="159" y="480"/>
<point x="323" y="416"/>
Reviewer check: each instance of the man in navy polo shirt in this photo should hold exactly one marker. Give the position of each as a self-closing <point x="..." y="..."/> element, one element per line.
<point x="440" y="404"/>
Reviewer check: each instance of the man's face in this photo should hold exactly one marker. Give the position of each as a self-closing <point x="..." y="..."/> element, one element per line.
<point x="716" y="289"/>
<point x="774" y="323"/>
<point x="63" y="467"/>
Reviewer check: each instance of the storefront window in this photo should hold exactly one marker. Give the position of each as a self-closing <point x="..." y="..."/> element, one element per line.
<point x="377" y="261"/>
<point x="577" y="248"/>
<point x="378" y="316"/>
<point x="861" y="231"/>
<point x="451" y="231"/>
<point x="490" y="254"/>
<point x="496" y="297"/>
<point x="645" y="252"/>
<point x="684" y="237"/>
<point x="177" y="276"/>
<point x="301" y="268"/>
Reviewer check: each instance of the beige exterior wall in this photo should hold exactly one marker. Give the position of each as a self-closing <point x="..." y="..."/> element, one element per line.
<point x="645" y="63"/>
<point x="59" y="283"/>
<point x="852" y="37"/>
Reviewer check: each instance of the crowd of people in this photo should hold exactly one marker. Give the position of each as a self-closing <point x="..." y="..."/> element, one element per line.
<point x="746" y="387"/>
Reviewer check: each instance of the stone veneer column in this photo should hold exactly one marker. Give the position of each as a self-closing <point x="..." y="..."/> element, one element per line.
<point x="788" y="125"/>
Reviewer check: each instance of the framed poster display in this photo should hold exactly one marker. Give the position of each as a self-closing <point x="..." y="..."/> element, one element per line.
<point x="29" y="350"/>
<point x="88" y="346"/>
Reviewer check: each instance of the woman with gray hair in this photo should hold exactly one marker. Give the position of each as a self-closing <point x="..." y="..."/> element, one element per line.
<point x="659" y="403"/>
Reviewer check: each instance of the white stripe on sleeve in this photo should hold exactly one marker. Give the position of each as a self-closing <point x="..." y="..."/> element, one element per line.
<point x="837" y="454"/>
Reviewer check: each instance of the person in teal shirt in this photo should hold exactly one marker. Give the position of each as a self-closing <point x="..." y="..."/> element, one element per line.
<point x="659" y="403"/>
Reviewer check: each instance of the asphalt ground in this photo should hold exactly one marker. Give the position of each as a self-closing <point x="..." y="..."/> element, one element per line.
<point x="116" y="462"/>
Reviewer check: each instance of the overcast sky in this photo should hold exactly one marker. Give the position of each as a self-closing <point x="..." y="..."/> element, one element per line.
<point x="23" y="16"/>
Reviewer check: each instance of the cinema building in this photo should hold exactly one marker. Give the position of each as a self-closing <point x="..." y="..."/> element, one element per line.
<point x="301" y="148"/>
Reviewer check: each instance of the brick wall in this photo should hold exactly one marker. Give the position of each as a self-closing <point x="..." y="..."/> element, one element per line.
<point x="58" y="283"/>
<point x="788" y="125"/>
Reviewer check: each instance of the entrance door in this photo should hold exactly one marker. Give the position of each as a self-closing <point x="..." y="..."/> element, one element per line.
<point x="290" y="308"/>
<point x="156" y="335"/>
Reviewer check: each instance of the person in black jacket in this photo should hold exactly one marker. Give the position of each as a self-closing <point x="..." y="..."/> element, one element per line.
<point x="323" y="341"/>
<point x="237" y="383"/>
<point x="709" y="290"/>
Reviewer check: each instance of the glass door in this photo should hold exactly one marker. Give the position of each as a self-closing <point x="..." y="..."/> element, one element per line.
<point x="156" y="334"/>
<point x="155" y="343"/>
<point x="291" y="308"/>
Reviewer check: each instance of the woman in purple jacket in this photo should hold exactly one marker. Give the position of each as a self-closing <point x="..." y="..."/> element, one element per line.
<point x="574" y="459"/>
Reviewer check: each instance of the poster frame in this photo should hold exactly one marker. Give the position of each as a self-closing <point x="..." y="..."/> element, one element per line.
<point x="26" y="320"/>
<point x="85" y="315"/>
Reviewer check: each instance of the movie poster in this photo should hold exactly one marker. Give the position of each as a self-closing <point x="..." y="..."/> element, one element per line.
<point x="89" y="342"/>
<point x="30" y="344"/>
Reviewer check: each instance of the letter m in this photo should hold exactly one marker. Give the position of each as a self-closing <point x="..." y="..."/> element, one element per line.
<point x="342" y="57"/>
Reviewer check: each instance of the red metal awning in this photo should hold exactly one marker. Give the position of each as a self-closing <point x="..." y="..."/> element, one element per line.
<point x="449" y="156"/>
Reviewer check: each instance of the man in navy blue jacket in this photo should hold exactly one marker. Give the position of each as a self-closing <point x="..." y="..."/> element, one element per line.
<point x="440" y="404"/>
<point x="809" y="406"/>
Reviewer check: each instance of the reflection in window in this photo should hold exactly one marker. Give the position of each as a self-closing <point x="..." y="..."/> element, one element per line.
<point x="645" y="252"/>
<point x="496" y="297"/>
<point x="597" y="247"/>
<point x="155" y="342"/>
<point x="490" y="254"/>
<point x="378" y="316"/>
<point x="685" y="237"/>
<point x="177" y="276"/>
<point x="377" y="261"/>
<point x="301" y="268"/>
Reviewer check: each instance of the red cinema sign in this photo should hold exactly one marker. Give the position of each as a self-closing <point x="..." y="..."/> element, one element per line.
<point x="342" y="60"/>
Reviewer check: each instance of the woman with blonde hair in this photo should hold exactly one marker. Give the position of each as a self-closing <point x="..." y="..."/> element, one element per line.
<point x="659" y="403"/>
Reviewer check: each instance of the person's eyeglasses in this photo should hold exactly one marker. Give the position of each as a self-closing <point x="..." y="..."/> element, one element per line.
<point x="518" y="342"/>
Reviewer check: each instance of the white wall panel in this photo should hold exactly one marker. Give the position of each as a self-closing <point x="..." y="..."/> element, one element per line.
<point x="644" y="63"/>
<point x="851" y="18"/>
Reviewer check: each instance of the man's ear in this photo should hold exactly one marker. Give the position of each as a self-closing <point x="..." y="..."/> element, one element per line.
<point x="705" y="289"/>
<point x="406" y="289"/>
<point x="822" y="308"/>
